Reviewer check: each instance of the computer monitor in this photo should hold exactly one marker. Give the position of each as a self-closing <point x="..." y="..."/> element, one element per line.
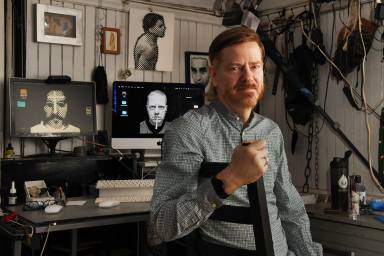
<point x="51" y="111"/>
<point x="142" y="111"/>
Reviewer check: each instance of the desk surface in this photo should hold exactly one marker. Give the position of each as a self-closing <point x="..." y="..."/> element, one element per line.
<point x="73" y="218"/>
<point x="317" y="211"/>
<point x="89" y="210"/>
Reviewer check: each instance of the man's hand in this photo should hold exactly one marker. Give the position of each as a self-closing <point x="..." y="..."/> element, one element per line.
<point x="249" y="162"/>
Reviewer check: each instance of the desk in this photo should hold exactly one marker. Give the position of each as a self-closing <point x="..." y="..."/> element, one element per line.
<point x="344" y="236"/>
<point x="77" y="217"/>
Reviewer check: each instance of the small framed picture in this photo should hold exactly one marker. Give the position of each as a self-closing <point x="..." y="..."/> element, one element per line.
<point x="196" y="68"/>
<point x="58" y="25"/>
<point x="110" y="42"/>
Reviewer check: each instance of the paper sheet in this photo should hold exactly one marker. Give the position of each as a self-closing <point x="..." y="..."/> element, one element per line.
<point x="78" y="202"/>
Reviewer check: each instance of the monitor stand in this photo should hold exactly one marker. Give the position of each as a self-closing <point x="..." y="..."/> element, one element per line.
<point x="51" y="144"/>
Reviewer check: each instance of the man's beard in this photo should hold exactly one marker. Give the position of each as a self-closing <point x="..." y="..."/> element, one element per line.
<point x="247" y="99"/>
<point x="153" y="128"/>
<point x="158" y="119"/>
<point x="56" y="122"/>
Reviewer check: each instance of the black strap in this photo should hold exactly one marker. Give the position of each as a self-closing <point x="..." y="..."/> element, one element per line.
<point x="235" y="214"/>
<point x="206" y="248"/>
<point x="210" y="169"/>
<point x="256" y="214"/>
<point x="228" y="213"/>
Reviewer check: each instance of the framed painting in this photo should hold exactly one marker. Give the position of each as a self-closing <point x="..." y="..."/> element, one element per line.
<point x="110" y="42"/>
<point x="196" y="68"/>
<point x="58" y="25"/>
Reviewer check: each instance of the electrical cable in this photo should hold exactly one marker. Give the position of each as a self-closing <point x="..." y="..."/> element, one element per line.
<point x="46" y="239"/>
<point x="353" y="90"/>
<point x="330" y="66"/>
<point x="138" y="239"/>
<point x="121" y="155"/>
<point x="377" y="183"/>
<point x="374" y="179"/>
<point x="342" y="22"/>
<point x="23" y="225"/>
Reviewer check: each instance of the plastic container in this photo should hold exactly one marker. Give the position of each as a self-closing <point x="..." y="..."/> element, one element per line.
<point x="9" y="151"/>
<point x="360" y="189"/>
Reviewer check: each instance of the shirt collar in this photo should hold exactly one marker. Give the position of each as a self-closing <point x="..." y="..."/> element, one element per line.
<point x="220" y="108"/>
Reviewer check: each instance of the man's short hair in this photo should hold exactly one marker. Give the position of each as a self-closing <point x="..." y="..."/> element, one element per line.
<point x="227" y="38"/>
<point x="157" y="92"/>
<point x="150" y="20"/>
<point x="199" y="58"/>
<point x="233" y="36"/>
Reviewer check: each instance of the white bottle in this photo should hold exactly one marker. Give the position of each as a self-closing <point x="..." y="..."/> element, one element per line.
<point x="355" y="205"/>
<point x="12" y="198"/>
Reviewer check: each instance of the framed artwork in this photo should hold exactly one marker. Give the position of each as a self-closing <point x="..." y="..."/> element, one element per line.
<point x="151" y="39"/>
<point x="58" y="25"/>
<point x="110" y="42"/>
<point x="196" y="68"/>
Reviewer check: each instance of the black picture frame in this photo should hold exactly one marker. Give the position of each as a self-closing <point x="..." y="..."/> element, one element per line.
<point x="189" y="55"/>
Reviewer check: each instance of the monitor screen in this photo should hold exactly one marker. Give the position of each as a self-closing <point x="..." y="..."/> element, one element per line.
<point x="39" y="109"/>
<point x="142" y="111"/>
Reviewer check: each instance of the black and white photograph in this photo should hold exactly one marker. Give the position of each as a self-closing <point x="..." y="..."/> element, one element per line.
<point x="38" y="109"/>
<point x="151" y="36"/>
<point x="156" y="107"/>
<point x="56" y="109"/>
<point x="143" y="109"/>
<point x="196" y="68"/>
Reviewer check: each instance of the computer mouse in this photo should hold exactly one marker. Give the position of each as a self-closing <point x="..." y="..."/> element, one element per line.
<point x="109" y="203"/>
<point x="53" y="208"/>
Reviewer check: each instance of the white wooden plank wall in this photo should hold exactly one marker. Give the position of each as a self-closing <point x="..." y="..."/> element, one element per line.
<point x="352" y="122"/>
<point x="193" y="32"/>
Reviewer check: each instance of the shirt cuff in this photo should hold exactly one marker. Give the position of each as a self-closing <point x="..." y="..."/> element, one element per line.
<point x="207" y="194"/>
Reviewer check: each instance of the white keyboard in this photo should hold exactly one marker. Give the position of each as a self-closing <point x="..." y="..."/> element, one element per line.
<point x="125" y="183"/>
<point x="125" y="190"/>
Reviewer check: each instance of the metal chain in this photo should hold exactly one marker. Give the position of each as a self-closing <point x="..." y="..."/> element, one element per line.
<point x="317" y="131"/>
<point x="315" y="82"/>
<point x="314" y="121"/>
<point x="307" y="170"/>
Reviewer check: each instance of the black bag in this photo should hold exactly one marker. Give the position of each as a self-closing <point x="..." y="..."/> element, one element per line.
<point x="100" y="77"/>
<point x="297" y="106"/>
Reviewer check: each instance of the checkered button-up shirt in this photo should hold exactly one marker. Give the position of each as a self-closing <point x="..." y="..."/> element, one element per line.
<point x="183" y="202"/>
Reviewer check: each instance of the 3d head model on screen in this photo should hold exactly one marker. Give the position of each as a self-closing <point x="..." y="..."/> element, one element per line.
<point x="199" y="70"/>
<point x="156" y="110"/>
<point x="56" y="109"/>
<point x="146" y="50"/>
